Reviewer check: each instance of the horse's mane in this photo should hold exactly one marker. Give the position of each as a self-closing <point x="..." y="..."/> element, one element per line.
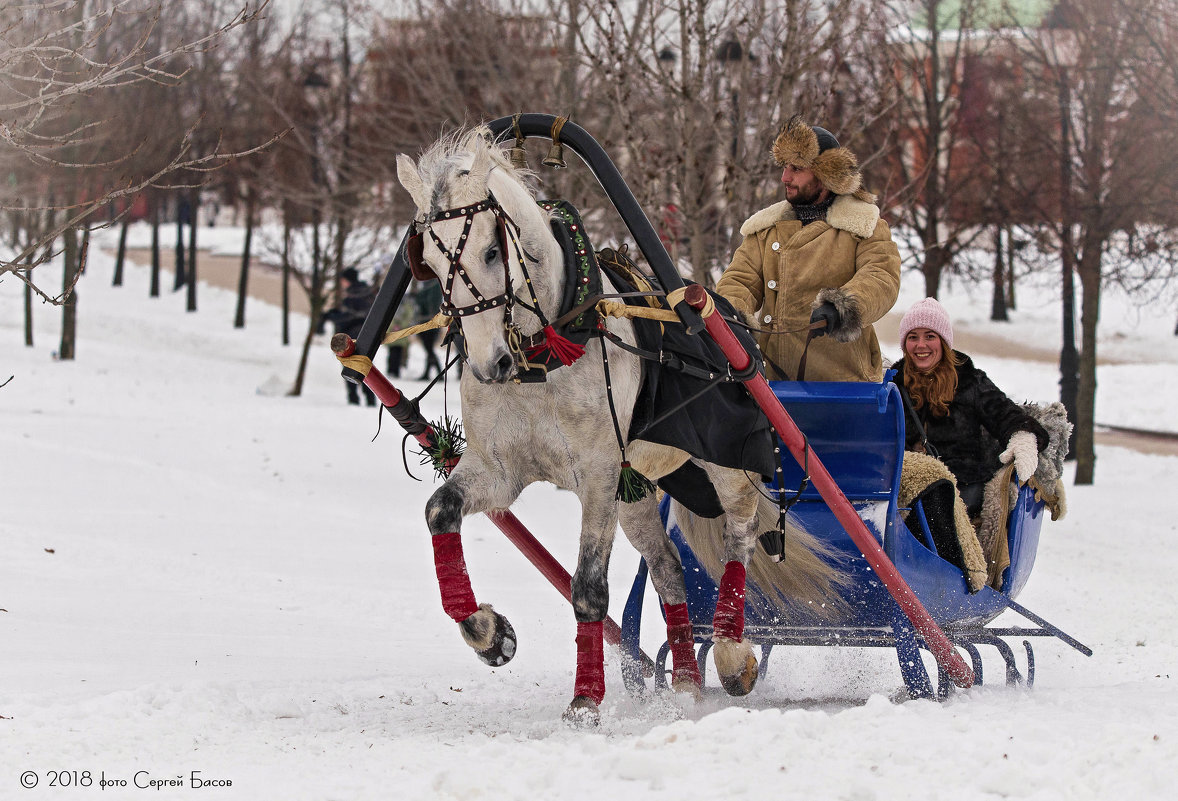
<point x="447" y="159"/>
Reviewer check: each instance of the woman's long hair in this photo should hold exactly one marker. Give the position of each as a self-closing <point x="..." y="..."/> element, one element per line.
<point x="938" y="386"/>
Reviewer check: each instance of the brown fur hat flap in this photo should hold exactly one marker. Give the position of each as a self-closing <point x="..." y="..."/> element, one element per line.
<point x="833" y="165"/>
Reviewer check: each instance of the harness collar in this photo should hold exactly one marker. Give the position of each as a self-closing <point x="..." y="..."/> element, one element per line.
<point x="582" y="278"/>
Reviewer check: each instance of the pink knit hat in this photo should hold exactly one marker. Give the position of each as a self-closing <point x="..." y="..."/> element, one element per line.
<point x="930" y="314"/>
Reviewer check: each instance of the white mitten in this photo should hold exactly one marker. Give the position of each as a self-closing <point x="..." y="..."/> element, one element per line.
<point x="1024" y="449"/>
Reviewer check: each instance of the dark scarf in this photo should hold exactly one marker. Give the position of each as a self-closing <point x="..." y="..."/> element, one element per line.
<point x="809" y="212"/>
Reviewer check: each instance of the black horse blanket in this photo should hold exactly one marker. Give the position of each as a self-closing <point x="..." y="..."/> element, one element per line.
<point x="713" y="420"/>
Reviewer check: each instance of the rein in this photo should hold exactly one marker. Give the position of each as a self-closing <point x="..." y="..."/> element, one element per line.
<point x="813" y="329"/>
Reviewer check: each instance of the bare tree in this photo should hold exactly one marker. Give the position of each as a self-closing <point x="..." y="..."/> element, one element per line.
<point x="331" y="167"/>
<point x="1156" y="73"/>
<point x="691" y="94"/>
<point x="936" y="60"/>
<point x="63" y="59"/>
<point x="1117" y="179"/>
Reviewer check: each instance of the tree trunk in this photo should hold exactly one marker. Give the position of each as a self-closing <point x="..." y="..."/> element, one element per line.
<point x="316" y="299"/>
<point x="181" y="274"/>
<point x="69" y="308"/>
<point x="155" y="246"/>
<point x="1011" y="302"/>
<point x="935" y="258"/>
<point x="191" y="304"/>
<point x="28" y="289"/>
<point x="121" y="254"/>
<point x="243" y="279"/>
<point x="1086" y="391"/>
<point x="313" y="323"/>
<point x="1069" y="359"/>
<point x="998" y="296"/>
<point x="29" y="310"/>
<point x="285" y="279"/>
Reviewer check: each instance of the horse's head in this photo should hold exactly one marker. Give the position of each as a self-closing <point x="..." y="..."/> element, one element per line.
<point x="488" y="243"/>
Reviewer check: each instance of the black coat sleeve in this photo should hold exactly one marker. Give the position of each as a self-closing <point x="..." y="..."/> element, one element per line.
<point x="1001" y="416"/>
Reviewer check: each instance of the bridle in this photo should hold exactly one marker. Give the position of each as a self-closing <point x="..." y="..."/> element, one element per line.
<point x="534" y="354"/>
<point x="506" y="230"/>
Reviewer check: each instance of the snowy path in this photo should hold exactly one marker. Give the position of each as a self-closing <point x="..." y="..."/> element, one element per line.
<point x="202" y="575"/>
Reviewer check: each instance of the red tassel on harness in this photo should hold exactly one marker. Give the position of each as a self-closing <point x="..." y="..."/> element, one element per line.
<point x="590" y="661"/>
<point x="729" y="619"/>
<point x="453" y="581"/>
<point x="561" y="347"/>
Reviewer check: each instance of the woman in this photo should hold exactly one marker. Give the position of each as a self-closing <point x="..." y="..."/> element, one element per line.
<point x="949" y="403"/>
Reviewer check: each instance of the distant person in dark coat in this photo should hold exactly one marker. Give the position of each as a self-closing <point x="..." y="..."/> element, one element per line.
<point x="429" y="301"/>
<point x="348" y="317"/>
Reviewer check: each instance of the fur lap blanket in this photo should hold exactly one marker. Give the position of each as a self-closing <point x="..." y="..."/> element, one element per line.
<point x="982" y="551"/>
<point x="927" y="478"/>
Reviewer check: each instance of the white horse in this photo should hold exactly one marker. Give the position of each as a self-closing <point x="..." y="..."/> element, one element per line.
<point x="503" y="272"/>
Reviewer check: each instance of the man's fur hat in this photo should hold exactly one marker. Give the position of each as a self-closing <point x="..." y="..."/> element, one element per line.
<point x="817" y="149"/>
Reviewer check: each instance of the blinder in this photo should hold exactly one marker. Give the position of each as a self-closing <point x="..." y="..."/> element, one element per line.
<point x="415" y="254"/>
<point x="415" y="250"/>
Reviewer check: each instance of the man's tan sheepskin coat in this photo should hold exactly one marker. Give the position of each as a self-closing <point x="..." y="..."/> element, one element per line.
<point x="782" y="271"/>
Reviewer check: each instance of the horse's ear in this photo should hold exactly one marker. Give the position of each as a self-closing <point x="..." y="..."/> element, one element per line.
<point x="410" y="178"/>
<point x="481" y="167"/>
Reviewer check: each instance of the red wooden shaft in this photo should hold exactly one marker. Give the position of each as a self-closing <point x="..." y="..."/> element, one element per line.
<point x="507" y="522"/>
<point x="546" y="563"/>
<point x="947" y="657"/>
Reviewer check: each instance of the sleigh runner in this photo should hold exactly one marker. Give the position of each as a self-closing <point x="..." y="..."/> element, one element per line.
<point x="466" y="242"/>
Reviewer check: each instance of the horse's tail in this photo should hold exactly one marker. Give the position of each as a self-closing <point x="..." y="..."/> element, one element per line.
<point x="808" y="581"/>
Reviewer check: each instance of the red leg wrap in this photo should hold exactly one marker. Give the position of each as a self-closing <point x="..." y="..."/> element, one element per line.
<point x="453" y="581"/>
<point x="590" y="661"/>
<point x="729" y="619"/>
<point x="682" y="642"/>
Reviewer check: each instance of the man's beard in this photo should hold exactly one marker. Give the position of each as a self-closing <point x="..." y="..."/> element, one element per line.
<point x="807" y="195"/>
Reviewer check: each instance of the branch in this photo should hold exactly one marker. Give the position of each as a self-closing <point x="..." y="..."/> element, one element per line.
<point x="23" y="263"/>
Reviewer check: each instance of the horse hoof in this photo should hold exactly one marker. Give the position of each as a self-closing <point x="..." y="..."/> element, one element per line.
<point x="490" y="635"/>
<point x="582" y="713"/>
<point x="687" y="680"/>
<point x="687" y="685"/>
<point x="736" y="666"/>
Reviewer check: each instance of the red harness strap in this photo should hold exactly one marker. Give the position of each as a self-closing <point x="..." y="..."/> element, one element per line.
<point x="590" y="661"/>
<point x="453" y="580"/>
<point x="682" y="642"/>
<point x="729" y="619"/>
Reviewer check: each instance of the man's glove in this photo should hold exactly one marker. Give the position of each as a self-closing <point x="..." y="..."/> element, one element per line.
<point x="830" y="314"/>
<point x="1024" y="449"/>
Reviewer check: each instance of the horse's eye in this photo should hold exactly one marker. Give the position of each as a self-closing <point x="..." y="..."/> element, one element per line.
<point x="492" y="254"/>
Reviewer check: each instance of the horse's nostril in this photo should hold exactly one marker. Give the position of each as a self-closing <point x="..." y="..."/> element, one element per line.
<point x="503" y="366"/>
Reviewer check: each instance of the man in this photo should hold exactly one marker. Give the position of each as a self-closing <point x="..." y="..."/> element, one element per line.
<point x="429" y="300"/>
<point x="823" y="253"/>
<point x="348" y="318"/>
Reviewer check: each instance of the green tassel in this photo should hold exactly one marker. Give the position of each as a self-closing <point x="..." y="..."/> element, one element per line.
<point x="632" y="485"/>
<point x="449" y="443"/>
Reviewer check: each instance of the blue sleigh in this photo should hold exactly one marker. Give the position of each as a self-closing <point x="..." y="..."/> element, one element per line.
<point x="857" y="430"/>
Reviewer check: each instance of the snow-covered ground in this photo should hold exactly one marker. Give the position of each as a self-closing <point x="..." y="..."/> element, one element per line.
<point x="205" y="578"/>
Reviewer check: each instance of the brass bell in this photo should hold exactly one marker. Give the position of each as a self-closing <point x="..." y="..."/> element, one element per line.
<point x="519" y="156"/>
<point x="555" y="157"/>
